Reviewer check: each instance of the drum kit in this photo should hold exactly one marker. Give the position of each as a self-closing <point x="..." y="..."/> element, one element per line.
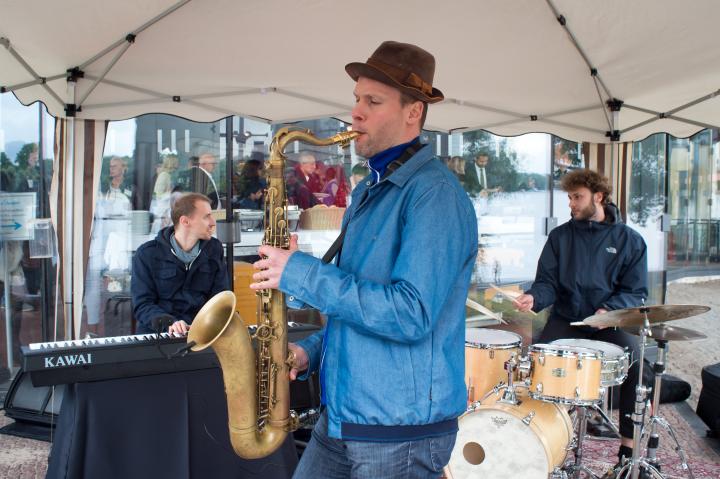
<point x="519" y="421"/>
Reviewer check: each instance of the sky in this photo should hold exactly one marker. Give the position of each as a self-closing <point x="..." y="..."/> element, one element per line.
<point x="19" y="125"/>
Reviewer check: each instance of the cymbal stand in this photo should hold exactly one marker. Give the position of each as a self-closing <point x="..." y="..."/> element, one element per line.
<point x="602" y="411"/>
<point x="577" y="467"/>
<point x="657" y="420"/>
<point x="632" y="467"/>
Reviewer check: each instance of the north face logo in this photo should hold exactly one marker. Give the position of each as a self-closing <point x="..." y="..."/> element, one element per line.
<point x="610" y="249"/>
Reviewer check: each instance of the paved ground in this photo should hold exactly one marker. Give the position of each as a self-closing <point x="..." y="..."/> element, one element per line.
<point x="687" y="358"/>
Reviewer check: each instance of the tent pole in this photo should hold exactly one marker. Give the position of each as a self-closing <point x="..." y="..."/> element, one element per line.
<point x="130" y="41"/>
<point x="39" y="81"/>
<point x="135" y="32"/>
<point x="68" y="223"/>
<point x="6" y="43"/>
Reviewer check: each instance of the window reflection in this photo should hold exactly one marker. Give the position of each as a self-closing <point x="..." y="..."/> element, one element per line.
<point x="27" y="259"/>
<point x="695" y="223"/>
<point x="646" y="206"/>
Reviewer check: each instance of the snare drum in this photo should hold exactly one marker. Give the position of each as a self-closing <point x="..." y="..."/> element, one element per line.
<point x="506" y="441"/>
<point x="486" y="351"/>
<point x="615" y="361"/>
<point x="565" y="374"/>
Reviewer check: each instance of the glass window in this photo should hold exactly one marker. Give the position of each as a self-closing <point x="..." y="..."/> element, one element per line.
<point x="693" y="240"/>
<point x="566" y="156"/>
<point x="646" y="206"/>
<point x="147" y="162"/>
<point x="28" y="256"/>
<point x="507" y="181"/>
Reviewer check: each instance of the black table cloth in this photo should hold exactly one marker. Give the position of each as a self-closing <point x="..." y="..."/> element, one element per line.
<point x="160" y="426"/>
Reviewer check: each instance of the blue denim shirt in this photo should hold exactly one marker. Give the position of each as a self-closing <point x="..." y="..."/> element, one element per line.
<point x="395" y="303"/>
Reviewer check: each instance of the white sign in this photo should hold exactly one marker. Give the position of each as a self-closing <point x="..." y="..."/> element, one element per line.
<point x="16" y="211"/>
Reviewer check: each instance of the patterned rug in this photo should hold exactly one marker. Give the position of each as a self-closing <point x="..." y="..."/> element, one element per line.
<point x="704" y="462"/>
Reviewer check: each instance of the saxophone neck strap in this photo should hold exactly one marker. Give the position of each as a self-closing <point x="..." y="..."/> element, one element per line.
<point x="409" y="152"/>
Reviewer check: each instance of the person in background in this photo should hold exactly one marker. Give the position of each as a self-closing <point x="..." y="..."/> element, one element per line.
<point x="393" y="304"/>
<point x="203" y="181"/>
<point x="476" y="176"/>
<point x="29" y="182"/>
<point x="176" y="273"/>
<point x="304" y="182"/>
<point x="358" y="172"/>
<point x="160" y="204"/>
<point x="456" y="164"/>
<point x="330" y="190"/>
<point x="252" y="198"/>
<point x="110" y="229"/>
<point x="248" y="178"/>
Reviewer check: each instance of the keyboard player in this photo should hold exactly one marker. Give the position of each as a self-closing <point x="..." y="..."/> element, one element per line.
<point x="176" y="273"/>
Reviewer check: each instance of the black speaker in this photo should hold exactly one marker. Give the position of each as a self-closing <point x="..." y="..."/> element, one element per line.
<point x="27" y="403"/>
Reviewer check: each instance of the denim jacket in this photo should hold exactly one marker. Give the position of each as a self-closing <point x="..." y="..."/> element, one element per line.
<point x="393" y="365"/>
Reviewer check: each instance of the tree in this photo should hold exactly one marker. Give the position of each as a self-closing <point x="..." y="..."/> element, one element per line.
<point x="8" y="174"/>
<point x="21" y="159"/>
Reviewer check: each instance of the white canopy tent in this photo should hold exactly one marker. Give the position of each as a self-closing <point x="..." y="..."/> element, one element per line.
<point x="581" y="69"/>
<point x="509" y="67"/>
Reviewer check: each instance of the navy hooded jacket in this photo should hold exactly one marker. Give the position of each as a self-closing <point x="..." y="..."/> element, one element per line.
<point x="586" y="265"/>
<point x="161" y="284"/>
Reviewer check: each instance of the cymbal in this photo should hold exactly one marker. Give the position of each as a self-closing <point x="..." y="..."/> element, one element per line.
<point x="665" y="332"/>
<point x="636" y="316"/>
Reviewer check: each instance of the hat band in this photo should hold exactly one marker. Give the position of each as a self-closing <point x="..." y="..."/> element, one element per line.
<point x="412" y="80"/>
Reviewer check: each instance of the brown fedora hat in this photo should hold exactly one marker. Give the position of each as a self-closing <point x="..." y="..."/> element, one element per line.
<point x="404" y="66"/>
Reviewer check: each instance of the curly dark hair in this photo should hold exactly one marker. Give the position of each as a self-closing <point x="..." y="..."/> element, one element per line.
<point x="591" y="180"/>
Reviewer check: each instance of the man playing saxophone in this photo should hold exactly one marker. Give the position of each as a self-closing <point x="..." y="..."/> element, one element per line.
<point x="391" y="357"/>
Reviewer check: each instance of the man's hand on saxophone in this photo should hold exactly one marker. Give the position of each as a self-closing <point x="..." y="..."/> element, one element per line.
<point x="271" y="266"/>
<point x="300" y="360"/>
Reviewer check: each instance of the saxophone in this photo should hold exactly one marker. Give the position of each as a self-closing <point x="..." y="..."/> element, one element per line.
<point x="257" y="382"/>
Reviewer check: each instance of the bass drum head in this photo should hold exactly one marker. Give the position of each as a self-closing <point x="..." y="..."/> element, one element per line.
<point x="496" y="444"/>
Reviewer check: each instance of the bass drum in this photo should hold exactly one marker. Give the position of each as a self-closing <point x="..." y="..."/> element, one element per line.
<point x="505" y="441"/>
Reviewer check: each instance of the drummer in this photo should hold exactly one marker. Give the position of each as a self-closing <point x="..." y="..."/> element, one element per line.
<point x="590" y="265"/>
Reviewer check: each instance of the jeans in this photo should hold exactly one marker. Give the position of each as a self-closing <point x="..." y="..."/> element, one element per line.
<point x="329" y="458"/>
<point x="557" y="329"/>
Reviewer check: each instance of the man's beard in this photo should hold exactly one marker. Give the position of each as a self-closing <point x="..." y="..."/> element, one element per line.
<point x="586" y="213"/>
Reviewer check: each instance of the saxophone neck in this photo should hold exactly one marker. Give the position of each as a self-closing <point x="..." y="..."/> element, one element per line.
<point x="287" y="135"/>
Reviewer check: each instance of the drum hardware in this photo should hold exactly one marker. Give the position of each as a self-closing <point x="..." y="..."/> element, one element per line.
<point x="576" y="468"/>
<point x="647" y="462"/>
<point x="509" y="396"/>
<point x="649" y="433"/>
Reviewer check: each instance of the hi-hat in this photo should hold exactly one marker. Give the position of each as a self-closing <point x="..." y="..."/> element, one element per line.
<point x="636" y="316"/>
<point x="665" y="332"/>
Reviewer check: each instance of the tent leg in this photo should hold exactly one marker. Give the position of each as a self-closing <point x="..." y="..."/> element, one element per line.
<point x="68" y="220"/>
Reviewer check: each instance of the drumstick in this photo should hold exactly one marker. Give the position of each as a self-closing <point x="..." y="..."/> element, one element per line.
<point x="479" y="307"/>
<point x="510" y="296"/>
